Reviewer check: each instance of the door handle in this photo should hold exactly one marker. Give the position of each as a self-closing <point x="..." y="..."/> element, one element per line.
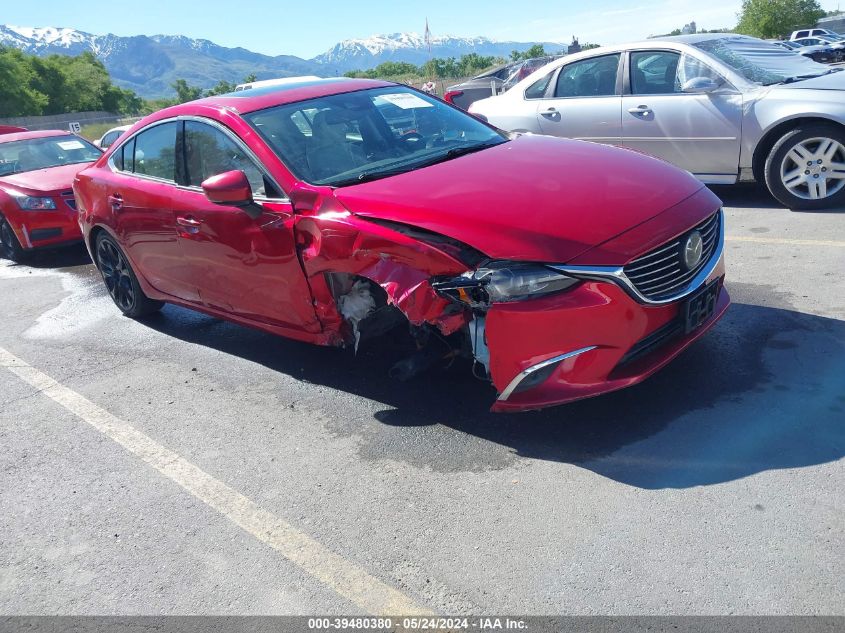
<point x="116" y="201"/>
<point x="190" y="224"/>
<point x="188" y="221"/>
<point x="641" y="110"/>
<point x="550" y="112"/>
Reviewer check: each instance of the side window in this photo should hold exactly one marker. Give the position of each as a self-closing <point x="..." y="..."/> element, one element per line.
<point x="209" y="152"/>
<point x="109" y="138"/>
<point x="655" y="72"/>
<point x="537" y="90"/>
<point x="692" y="68"/>
<point x="593" y="77"/>
<point x="155" y="152"/>
<point x="117" y="157"/>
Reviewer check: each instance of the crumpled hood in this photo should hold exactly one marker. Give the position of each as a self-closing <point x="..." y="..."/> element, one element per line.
<point x="535" y="198"/>
<point x="47" y="181"/>
<point x="831" y="81"/>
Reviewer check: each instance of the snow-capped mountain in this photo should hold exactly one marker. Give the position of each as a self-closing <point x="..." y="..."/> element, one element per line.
<point x="368" y="52"/>
<point x="149" y="64"/>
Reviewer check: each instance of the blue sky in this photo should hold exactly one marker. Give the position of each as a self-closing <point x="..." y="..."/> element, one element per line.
<point x="309" y="28"/>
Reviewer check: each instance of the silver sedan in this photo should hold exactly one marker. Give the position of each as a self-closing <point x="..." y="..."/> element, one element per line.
<point x="728" y="108"/>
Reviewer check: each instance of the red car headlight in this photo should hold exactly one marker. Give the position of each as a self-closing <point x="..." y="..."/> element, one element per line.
<point x="502" y="282"/>
<point x="31" y="203"/>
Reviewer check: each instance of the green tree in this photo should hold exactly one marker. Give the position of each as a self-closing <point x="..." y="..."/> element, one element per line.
<point x="222" y="87"/>
<point x="777" y="18"/>
<point x="250" y="78"/>
<point x="441" y="67"/>
<point x="17" y="96"/>
<point x="535" y="51"/>
<point x="588" y="45"/>
<point x="56" y="84"/>
<point x="184" y="92"/>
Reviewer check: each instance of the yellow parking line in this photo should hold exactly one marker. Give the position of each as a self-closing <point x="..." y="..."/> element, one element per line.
<point x="783" y="240"/>
<point x="342" y="576"/>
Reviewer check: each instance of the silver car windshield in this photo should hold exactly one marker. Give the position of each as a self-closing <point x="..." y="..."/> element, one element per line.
<point x="762" y="62"/>
<point x="349" y="138"/>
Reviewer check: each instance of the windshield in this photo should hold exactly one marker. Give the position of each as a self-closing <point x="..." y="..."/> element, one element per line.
<point x="40" y="153"/>
<point x="761" y="62"/>
<point x="347" y="138"/>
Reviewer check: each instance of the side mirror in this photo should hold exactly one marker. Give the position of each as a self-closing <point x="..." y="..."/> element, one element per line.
<point x="700" y="85"/>
<point x="232" y="189"/>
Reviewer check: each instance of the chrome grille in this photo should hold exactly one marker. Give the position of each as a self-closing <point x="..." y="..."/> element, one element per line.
<point x="70" y="201"/>
<point x="661" y="273"/>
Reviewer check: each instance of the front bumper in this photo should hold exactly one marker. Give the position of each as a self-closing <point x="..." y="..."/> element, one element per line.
<point x="607" y="339"/>
<point x="42" y="229"/>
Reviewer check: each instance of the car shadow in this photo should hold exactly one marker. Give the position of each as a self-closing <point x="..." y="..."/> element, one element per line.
<point x="755" y="196"/>
<point x="60" y="258"/>
<point x="764" y="390"/>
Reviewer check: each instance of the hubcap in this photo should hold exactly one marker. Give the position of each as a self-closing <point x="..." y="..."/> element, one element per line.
<point x="115" y="271"/>
<point x="814" y="169"/>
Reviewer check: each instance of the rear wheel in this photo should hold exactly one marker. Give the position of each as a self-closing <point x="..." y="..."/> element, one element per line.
<point x="806" y="167"/>
<point x="121" y="281"/>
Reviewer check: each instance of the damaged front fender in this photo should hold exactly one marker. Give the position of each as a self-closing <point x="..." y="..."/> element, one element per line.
<point x="338" y="242"/>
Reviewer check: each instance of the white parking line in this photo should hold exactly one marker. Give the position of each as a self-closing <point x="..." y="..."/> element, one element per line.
<point x="783" y="240"/>
<point x="334" y="571"/>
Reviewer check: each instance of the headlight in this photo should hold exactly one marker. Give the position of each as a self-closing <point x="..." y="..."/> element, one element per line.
<point x="501" y="282"/>
<point x="30" y="203"/>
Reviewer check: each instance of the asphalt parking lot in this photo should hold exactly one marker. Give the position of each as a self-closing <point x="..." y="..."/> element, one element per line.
<point x="186" y="465"/>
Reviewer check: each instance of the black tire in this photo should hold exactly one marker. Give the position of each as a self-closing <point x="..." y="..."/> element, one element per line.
<point x="10" y="247"/>
<point x="778" y="164"/>
<point x="121" y="281"/>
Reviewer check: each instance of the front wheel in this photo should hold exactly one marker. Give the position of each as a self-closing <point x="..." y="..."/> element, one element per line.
<point x="121" y="281"/>
<point x="10" y="247"/>
<point x="806" y="168"/>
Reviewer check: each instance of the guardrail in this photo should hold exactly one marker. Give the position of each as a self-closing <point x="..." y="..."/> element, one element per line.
<point x="63" y="121"/>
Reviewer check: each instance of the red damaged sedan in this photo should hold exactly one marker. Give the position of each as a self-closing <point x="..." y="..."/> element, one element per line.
<point x="330" y="211"/>
<point x="37" y="208"/>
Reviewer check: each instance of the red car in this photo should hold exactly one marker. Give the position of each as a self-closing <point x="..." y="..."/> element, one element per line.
<point x="37" y="206"/>
<point x="564" y="269"/>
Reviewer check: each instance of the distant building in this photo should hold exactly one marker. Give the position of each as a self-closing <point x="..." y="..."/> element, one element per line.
<point x="689" y="29"/>
<point x="575" y="47"/>
<point x="835" y="23"/>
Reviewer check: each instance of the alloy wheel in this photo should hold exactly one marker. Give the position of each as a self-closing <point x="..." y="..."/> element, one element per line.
<point x="116" y="274"/>
<point x="814" y="168"/>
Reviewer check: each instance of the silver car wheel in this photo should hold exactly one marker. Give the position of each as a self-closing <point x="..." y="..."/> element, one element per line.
<point x="814" y="168"/>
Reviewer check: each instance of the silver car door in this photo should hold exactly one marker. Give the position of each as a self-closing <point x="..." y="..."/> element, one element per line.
<point x="584" y="101"/>
<point x="673" y="109"/>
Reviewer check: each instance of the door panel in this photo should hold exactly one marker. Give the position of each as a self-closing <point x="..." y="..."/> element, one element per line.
<point x="245" y="266"/>
<point x="143" y="211"/>
<point x="584" y="102"/>
<point x="697" y="132"/>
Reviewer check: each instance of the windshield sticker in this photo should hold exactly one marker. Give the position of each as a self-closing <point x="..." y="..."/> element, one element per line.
<point x="406" y="100"/>
<point x="71" y="145"/>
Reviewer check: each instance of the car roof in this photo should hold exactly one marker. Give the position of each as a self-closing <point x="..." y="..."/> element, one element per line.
<point x="700" y="37"/>
<point x="23" y="136"/>
<point x="245" y="101"/>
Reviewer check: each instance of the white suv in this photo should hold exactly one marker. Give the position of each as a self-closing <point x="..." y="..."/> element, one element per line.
<point x="812" y="33"/>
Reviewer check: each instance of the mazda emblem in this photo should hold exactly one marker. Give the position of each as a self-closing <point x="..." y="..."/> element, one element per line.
<point x="693" y="249"/>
